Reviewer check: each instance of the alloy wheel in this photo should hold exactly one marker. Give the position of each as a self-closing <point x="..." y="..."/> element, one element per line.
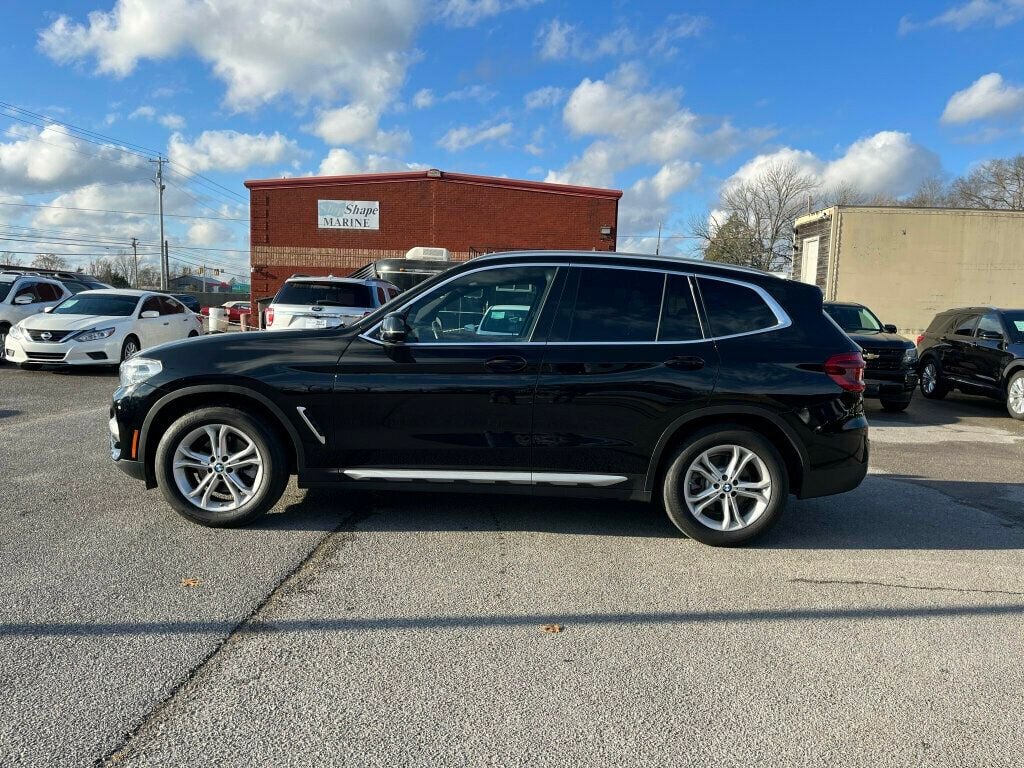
<point x="727" y="488"/>
<point x="130" y="350"/>
<point x="929" y="378"/>
<point x="1015" y="397"/>
<point x="218" y="468"/>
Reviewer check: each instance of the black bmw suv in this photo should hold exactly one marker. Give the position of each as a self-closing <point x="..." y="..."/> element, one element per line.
<point x="978" y="350"/>
<point x="718" y="390"/>
<point x="890" y="372"/>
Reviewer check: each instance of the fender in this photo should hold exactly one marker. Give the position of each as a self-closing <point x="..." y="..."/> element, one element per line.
<point x="726" y="411"/>
<point x="300" y="454"/>
<point x="1015" y="366"/>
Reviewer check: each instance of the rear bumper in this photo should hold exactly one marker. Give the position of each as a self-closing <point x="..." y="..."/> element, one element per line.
<point x="837" y="453"/>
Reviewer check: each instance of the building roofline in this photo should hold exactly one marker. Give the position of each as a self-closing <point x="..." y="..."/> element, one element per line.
<point x="434" y="174"/>
<point x="823" y="212"/>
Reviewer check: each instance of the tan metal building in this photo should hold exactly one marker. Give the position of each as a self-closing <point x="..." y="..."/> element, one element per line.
<point x="909" y="263"/>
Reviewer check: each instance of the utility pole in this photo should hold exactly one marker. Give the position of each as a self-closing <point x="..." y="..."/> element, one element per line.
<point x="163" y="244"/>
<point x="657" y="248"/>
<point x="135" y="252"/>
<point x="165" y="253"/>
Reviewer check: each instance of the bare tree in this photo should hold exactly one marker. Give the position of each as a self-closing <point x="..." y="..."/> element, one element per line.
<point x="843" y="193"/>
<point x="996" y="184"/>
<point x="49" y="261"/>
<point x="933" y="192"/>
<point x="11" y="259"/>
<point x="123" y="263"/>
<point x="767" y="204"/>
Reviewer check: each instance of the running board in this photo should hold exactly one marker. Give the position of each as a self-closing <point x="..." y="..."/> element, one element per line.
<point x="514" y="478"/>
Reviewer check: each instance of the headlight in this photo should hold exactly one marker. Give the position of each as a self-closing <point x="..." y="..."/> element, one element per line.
<point x="136" y="370"/>
<point x="910" y="356"/>
<point x="94" y="333"/>
<point x="18" y="333"/>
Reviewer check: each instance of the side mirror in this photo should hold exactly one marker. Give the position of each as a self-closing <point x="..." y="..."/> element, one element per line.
<point x="149" y="314"/>
<point x="23" y="299"/>
<point x="48" y="310"/>
<point x="889" y="328"/>
<point x="393" y="329"/>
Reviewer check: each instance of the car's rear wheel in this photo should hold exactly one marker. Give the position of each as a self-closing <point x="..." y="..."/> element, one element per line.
<point x="1015" y="395"/>
<point x="932" y="385"/>
<point x="130" y="348"/>
<point x="727" y="486"/>
<point x="193" y="334"/>
<point x="220" y="467"/>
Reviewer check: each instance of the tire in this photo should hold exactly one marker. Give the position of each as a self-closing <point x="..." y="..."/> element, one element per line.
<point x="1015" y="395"/>
<point x="130" y="348"/>
<point x="193" y="334"/>
<point x="4" y="330"/>
<point x="265" y="477"/>
<point x="756" y="516"/>
<point x="895" y="406"/>
<point x="932" y="385"/>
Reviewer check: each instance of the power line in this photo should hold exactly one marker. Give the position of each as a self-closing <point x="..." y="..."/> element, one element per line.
<point x="126" y="213"/>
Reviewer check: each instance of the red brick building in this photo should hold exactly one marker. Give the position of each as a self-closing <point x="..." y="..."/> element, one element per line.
<point x="333" y="225"/>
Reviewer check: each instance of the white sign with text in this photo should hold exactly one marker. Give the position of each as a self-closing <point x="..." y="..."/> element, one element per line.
<point x="348" y="214"/>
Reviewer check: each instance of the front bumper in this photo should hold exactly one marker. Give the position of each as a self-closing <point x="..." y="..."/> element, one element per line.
<point x="127" y="416"/>
<point x="99" y="352"/>
<point x="895" y="385"/>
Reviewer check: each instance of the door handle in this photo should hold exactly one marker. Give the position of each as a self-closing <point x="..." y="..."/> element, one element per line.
<point x="685" y="363"/>
<point x="168" y="322"/>
<point x="505" y="364"/>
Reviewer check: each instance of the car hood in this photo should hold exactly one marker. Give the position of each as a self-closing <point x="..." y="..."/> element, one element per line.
<point x="49" y="322"/>
<point x="880" y="340"/>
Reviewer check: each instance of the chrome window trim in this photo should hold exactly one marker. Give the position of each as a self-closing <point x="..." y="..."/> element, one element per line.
<point x="782" y="318"/>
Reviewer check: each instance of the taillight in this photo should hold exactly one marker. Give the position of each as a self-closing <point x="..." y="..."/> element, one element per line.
<point x="847" y="370"/>
<point x="270" y="316"/>
<point x="920" y="338"/>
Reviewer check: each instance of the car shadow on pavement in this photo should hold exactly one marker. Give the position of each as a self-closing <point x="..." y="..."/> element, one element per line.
<point x="932" y="413"/>
<point x="7" y="413"/>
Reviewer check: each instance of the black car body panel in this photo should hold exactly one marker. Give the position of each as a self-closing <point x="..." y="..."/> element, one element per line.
<point x="351" y="405"/>
<point x="889" y="373"/>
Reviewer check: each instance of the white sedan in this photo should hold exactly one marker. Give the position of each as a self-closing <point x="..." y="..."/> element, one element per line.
<point x="101" y="327"/>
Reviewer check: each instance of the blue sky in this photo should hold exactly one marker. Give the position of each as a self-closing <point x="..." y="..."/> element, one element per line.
<point x="667" y="101"/>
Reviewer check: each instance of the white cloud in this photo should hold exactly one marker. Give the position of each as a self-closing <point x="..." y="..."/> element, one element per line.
<point x="342" y="162"/>
<point x="206" y="233"/>
<point x="998" y="13"/>
<point x="311" y="49"/>
<point x="466" y="136"/>
<point x="559" y="40"/>
<point x="145" y="112"/>
<point x="548" y="96"/>
<point x="423" y="98"/>
<point x="468" y="13"/>
<point x="676" y="28"/>
<point x="356" y="124"/>
<point x="533" y="149"/>
<point x="170" y="120"/>
<point x="887" y="163"/>
<point x="43" y="159"/>
<point x="634" y="125"/>
<point x="230" y="150"/>
<point x="648" y="201"/>
<point x="988" y="96"/>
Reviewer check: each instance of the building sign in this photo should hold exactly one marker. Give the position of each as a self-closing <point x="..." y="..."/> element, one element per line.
<point x="348" y="214"/>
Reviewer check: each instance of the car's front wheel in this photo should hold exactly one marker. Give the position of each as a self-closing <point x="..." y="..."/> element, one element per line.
<point x="130" y="348"/>
<point x="932" y="385"/>
<point x="220" y="467"/>
<point x="1015" y="396"/>
<point x="726" y="486"/>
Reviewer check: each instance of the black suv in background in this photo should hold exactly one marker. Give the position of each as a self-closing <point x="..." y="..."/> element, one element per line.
<point x="718" y="390"/>
<point x="978" y="350"/>
<point x="890" y="359"/>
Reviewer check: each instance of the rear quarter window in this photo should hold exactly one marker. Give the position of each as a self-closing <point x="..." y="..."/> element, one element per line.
<point x="733" y="309"/>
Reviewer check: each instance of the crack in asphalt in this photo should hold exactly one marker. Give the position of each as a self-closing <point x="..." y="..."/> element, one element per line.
<point x="858" y="583"/>
<point x="297" y="579"/>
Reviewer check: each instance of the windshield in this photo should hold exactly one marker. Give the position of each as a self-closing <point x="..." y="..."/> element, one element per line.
<point x="111" y="305"/>
<point x="405" y="280"/>
<point x="1015" y="322"/>
<point x="854" y="319"/>
<point x="328" y="294"/>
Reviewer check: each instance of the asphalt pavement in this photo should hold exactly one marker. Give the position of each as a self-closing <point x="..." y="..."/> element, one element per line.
<point x="880" y="627"/>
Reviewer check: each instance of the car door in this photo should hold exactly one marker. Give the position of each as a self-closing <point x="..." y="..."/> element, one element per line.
<point x="152" y="330"/>
<point x="959" y="343"/>
<point x="179" y="319"/>
<point x="447" y="404"/>
<point x="626" y="357"/>
<point x="33" y="296"/>
<point x="989" y="355"/>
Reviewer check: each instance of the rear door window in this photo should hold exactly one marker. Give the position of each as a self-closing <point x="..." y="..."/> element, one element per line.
<point x="617" y="305"/>
<point x="679" y="319"/>
<point x="733" y="309"/>
<point x="326" y="294"/>
<point x="964" y="325"/>
<point x="49" y="292"/>
<point x="170" y="306"/>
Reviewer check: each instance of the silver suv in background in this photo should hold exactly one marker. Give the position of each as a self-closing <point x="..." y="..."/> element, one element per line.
<point x="325" y="302"/>
<point x="22" y="295"/>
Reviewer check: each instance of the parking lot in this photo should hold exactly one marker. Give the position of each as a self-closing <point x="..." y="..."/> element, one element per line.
<point x="878" y="627"/>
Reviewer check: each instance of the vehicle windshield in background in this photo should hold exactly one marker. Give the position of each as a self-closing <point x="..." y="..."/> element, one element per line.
<point x="1015" y="321"/>
<point x="326" y="294"/>
<point x="406" y="280"/>
<point x="854" y="319"/>
<point x="108" y="305"/>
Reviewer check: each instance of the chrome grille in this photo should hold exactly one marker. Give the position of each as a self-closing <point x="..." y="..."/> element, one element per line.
<point x="886" y="360"/>
<point x="55" y="336"/>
